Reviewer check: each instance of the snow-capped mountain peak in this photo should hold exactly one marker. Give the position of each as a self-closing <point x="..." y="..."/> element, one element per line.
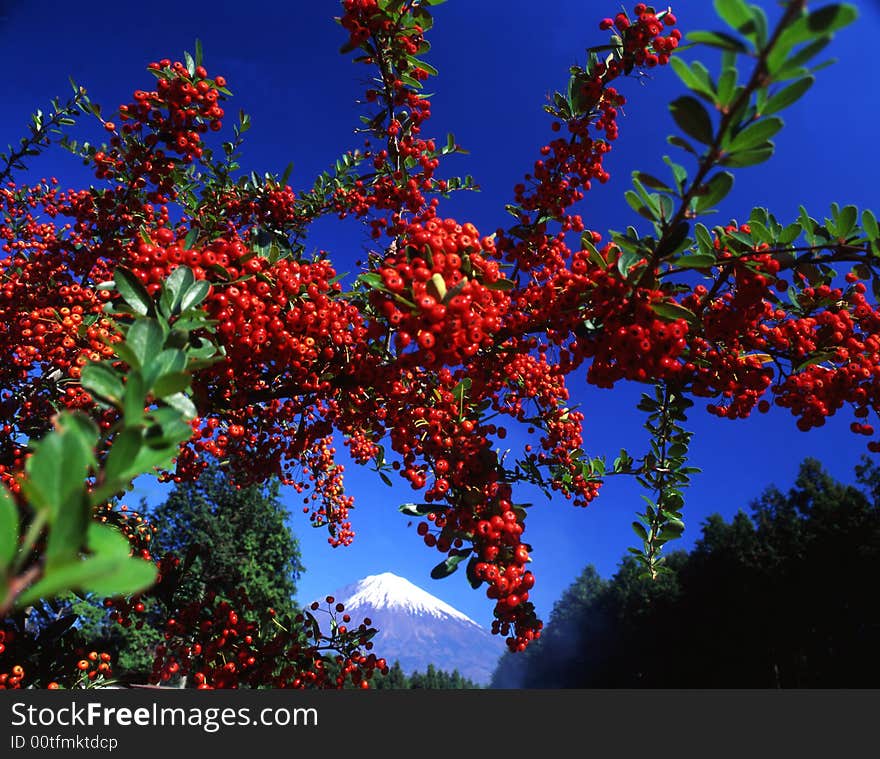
<point x="390" y="591"/>
<point x="416" y="628"/>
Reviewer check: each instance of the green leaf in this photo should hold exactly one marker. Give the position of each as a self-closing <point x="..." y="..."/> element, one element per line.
<point x="373" y="280"/>
<point x="692" y="78"/>
<point x="817" y="25"/>
<point x="149" y="459"/>
<point x="105" y="575"/>
<point x="742" y="238"/>
<point x="127" y="355"/>
<point x="178" y="282"/>
<point x="727" y="85"/>
<point x="170" y="360"/>
<point x="447" y="567"/>
<point x="171" y="383"/>
<point x="471" y="569"/>
<point x="704" y="238"/>
<point x="692" y="118"/>
<point x="749" y="157"/>
<point x="182" y="404"/>
<point x="673" y="311"/>
<point x="718" y="187"/>
<point x="758" y="33"/>
<point x="678" y="172"/>
<point x="788" y="95"/>
<point x="650" y="199"/>
<point x="500" y="284"/>
<point x="789" y="234"/>
<point x="105" y="540"/>
<point x="825" y="20"/>
<point x="56" y="474"/>
<point x="627" y="260"/>
<point x="718" y="39"/>
<point x="59" y="466"/>
<point x="134" y="398"/>
<point x="674" y="240"/>
<point x="755" y="134"/>
<point x="102" y="380"/>
<point x="674" y="139"/>
<point x="801" y="58"/>
<point x="759" y="232"/>
<point x="846" y="221"/>
<point x="869" y="222"/>
<point x="195" y="294"/>
<point x="167" y="431"/>
<point x="9" y="527"/>
<point x="460" y="391"/>
<point x="145" y="339"/>
<point x="699" y="261"/>
<point x="651" y="181"/>
<point x="132" y="291"/>
<point x="672" y="529"/>
<point x="735" y="12"/>
<point x="639" y="206"/>
<point x="67" y="533"/>
<point x="205" y="349"/>
<point x="639" y="529"/>
<point x="126" y="446"/>
<point x="420" y="509"/>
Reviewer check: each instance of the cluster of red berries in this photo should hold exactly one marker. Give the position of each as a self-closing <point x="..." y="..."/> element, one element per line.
<point x="12" y="678"/>
<point x="644" y="32"/>
<point x="846" y="334"/>
<point x="495" y="529"/>
<point x="266" y="206"/>
<point x="223" y="644"/>
<point x="329" y="502"/>
<point x="362" y="19"/>
<point x="159" y="128"/>
<point x="94" y="665"/>
<point x="439" y="295"/>
<point x="74" y="666"/>
<point x="404" y="168"/>
<point x="136" y="528"/>
<point x="182" y="108"/>
<point x="568" y="166"/>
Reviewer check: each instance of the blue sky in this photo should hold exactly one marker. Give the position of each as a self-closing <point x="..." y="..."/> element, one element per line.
<point x="497" y="61"/>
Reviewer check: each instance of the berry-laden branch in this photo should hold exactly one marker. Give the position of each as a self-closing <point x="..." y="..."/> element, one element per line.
<point x="447" y="338"/>
<point x="731" y="114"/>
<point x="664" y="472"/>
<point x="41" y="128"/>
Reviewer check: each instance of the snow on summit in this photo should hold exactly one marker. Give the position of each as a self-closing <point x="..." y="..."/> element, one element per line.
<point x="418" y="629"/>
<point x="389" y="591"/>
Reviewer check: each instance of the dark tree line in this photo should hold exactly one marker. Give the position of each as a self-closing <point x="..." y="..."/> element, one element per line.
<point x="785" y="596"/>
<point x="431" y="678"/>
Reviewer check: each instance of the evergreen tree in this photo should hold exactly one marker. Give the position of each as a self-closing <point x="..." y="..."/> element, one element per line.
<point x="396" y="679"/>
<point x="235" y="537"/>
<point x="230" y="538"/>
<point x="432" y="678"/>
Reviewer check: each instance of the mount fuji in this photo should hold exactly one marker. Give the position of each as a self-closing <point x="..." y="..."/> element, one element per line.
<point x="418" y="629"/>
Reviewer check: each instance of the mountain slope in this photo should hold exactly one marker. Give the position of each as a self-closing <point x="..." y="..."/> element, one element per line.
<point x="418" y="629"/>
